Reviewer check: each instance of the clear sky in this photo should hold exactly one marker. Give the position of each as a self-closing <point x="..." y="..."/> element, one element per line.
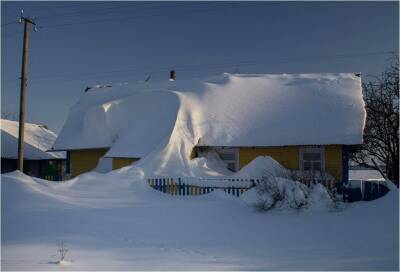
<point x="85" y="43"/>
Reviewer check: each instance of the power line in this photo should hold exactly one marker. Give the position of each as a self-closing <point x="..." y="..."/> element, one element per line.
<point x="62" y="7"/>
<point x="13" y="34"/>
<point x="183" y="68"/>
<point x="77" y="13"/>
<point x="95" y="11"/>
<point x="213" y="65"/>
<point x="149" y="16"/>
<point x="9" y="23"/>
<point x="47" y="9"/>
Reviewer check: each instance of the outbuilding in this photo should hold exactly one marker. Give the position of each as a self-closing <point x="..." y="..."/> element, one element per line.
<point x="37" y="161"/>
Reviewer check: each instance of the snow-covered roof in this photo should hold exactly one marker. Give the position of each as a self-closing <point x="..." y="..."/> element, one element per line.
<point x="37" y="140"/>
<point x="228" y="110"/>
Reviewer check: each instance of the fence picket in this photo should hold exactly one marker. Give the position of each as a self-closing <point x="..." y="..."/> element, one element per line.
<point x="179" y="187"/>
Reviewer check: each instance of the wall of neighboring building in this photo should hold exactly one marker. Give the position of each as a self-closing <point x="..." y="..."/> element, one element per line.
<point x="84" y="160"/>
<point x="122" y="162"/>
<point x="46" y="169"/>
<point x="8" y="165"/>
<point x="31" y="167"/>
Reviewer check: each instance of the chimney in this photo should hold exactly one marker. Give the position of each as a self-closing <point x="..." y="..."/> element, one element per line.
<point x="172" y="76"/>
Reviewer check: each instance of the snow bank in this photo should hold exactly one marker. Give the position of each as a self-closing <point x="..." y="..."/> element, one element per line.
<point x="114" y="222"/>
<point x="38" y="140"/>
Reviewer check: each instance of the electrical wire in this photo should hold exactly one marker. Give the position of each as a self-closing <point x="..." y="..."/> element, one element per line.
<point x="9" y="23"/>
<point x="95" y="12"/>
<point x="147" y="16"/>
<point x="206" y="66"/>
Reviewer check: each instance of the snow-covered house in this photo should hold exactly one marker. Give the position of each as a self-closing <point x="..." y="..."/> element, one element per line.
<point x="304" y="121"/>
<point x="37" y="162"/>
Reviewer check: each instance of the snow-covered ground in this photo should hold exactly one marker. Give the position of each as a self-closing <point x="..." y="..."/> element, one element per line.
<point x="115" y="221"/>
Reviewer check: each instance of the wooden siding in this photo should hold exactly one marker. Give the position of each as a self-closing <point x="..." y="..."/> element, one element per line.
<point x="288" y="156"/>
<point x="85" y="160"/>
<point x="333" y="161"/>
<point x="122" y="162"/>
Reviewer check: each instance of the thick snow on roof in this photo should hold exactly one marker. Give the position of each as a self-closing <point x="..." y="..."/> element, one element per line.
<point x="37" y="138"/>
<point x="131" y="122"/>
<point x="229" y="110"/>
<point x="278" y="110"/>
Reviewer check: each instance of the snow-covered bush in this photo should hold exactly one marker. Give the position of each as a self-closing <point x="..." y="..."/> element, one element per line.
<point x="62" y="251"/>
<point x="280" y="192"/>
<point x="316" y="179"/>
<point x="277" y="192"/>
<point x="281" y="188"/>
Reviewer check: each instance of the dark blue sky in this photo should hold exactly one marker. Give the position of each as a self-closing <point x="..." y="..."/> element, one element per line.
<point x="86" y="43"/>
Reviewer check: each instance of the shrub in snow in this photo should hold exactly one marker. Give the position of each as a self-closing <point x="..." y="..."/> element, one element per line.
<point x="277" y="192"/>
<point x="311" y="177"/>
<point x="62" y="251"/>
<point x="281" y="188"/>
<point x="282" y="193"/>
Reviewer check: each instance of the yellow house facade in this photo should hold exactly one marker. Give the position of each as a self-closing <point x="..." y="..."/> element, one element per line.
<point x="84" y="160"/>
<point x="332" y="159"/>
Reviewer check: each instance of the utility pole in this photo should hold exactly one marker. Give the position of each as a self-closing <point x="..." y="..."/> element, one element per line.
<point x="24" y="78"/>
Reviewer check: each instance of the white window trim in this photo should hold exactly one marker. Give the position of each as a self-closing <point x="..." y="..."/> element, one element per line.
<point x="319" y="149"/>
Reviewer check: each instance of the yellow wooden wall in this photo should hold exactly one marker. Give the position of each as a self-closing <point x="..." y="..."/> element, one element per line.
<point x="85" y="160"/>
<point x="122" y="162"/>
<point x="333" y="160"/>
<point x="289" y="157"/>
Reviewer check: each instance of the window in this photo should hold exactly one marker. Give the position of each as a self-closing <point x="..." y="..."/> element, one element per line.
<point x="312" y="159"/>
<point x="227" y="154"/>
<point x="230" y="156"/>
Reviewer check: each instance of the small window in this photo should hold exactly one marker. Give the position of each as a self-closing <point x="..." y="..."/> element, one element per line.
<point x="312" y="159"/>
<point x="232" y="166"/>
<point x="230" y="156"/>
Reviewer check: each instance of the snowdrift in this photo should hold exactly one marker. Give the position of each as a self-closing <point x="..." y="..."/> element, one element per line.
<point x="114" y="222"/>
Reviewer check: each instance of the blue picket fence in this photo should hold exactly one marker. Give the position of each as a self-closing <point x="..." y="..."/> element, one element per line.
<point x="178" y="187"/>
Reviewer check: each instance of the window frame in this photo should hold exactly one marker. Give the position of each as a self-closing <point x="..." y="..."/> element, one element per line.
<point x="229" y="150"/>
<point x="312" y="149"/>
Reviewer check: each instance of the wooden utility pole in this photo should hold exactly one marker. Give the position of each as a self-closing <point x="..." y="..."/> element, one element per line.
<point x="24" y="78"/>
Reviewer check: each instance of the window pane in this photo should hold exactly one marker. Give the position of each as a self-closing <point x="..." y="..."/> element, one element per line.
<point x="231" y="166"/>
<point x="317" y="166"/>
<point x="312" y="156"/>
<point x="307" y="166"/>
<point x="227" y="156"/>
